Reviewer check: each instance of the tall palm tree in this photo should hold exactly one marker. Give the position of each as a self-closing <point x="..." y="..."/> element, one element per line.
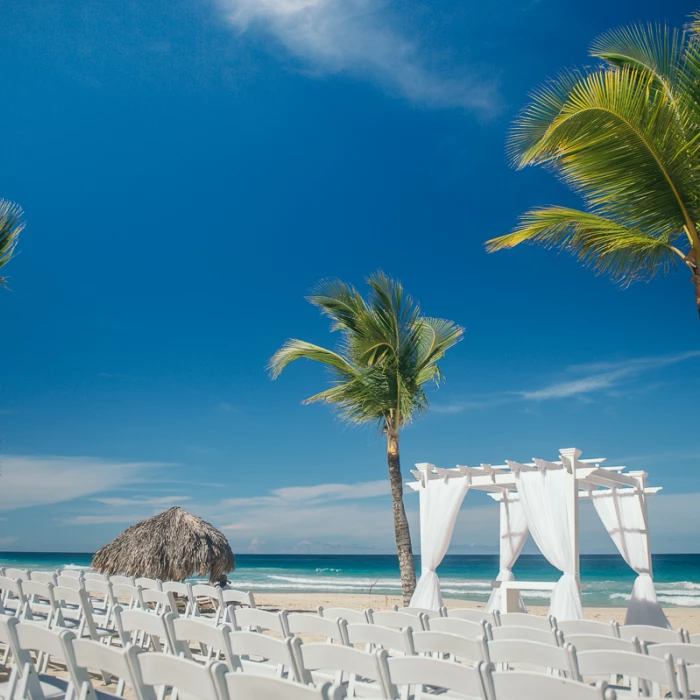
<point x="626" y="137"/>
<point x="11" y="225"/>
<point x="387" y="352"/>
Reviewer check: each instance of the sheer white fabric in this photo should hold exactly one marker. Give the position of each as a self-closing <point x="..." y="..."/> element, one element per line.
<point x="513" y="536"/>
<point x="544" y="501"/>
<point x="622" y="514"/>
<point x="440" y="501"/>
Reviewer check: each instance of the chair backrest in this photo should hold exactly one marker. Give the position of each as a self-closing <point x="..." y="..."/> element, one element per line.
<point x="352" y="616"/>
<point x="152" y="584"/>
<point x="94" y="585"/>
<point x="253" y="687"/>
<point x="597" y="642"/>
<point x="144" y="628"/>
<point x="75" y="597"/>
<point x="163" y="601"/>
<point x="125" y="595"/>
<point x="378" y="637"/>
<point x="192" y="680"/>
<point x="602" y="629"/>
<point x="429" y="612"/>
<point x="347" y="660"/>
<point x="651" y="635"/>
<point x="397" y="620"/>
<point x="211" y="593"/>
<point x="639" y="668"/>
<point x="527" y="620"/>
<point x="95" y="576"/>
<point x="43" y="577"/>
<point x="308" y="623"/>
<point x="72" y="573"/>
<point x="516" y="652"/>
<point x="282" y="652"/>
<point x="231" y="595"/>
<point x="406" y="671"/>
<point x="254" y="620"/>
<point x="177" y="587"/>
<point x="464" y="628"/>
<point x="119" y="580"/>
<point x="38" y="595"/>
<point x="527" y="634"/>
<point x="89" y="655"/>
<point x="690" y="653"/>
<point x="694" y="638"/>
<point x="74" y="582"/>
<point x="12" y="587"/>
<point x="458" y="647"/>
<point x="21" y="574"/>
<point x="689" y="677"/>
<point x="216" y="638"/>
<point x="525" y="685"/>
<point x="474" y="615"/>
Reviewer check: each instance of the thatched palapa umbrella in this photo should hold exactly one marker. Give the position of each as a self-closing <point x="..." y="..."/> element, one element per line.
<point x="172" y="546"/>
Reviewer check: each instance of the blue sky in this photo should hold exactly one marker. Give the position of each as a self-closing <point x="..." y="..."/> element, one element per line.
<point x="191" y="168"/>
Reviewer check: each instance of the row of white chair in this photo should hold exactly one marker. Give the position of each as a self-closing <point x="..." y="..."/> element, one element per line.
<point x="351" y="669"/>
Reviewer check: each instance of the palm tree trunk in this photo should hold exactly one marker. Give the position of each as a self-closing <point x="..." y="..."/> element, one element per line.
<point x="696" y="280"/>
<point x="403" y="534"/>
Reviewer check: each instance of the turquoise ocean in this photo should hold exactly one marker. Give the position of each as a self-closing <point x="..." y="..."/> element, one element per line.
<point x="607" y="579"/>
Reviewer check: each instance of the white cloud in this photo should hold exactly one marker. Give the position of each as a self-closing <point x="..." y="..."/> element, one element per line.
<point x="107" y="518"/>
<point x="587" y="379"/>
<point x="33" y="481"/>
<point x="356" y="36"/>
<point x="138" y="502"/>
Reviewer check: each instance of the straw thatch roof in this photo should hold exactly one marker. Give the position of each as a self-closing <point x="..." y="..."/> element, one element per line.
<point x="171" y="546"/>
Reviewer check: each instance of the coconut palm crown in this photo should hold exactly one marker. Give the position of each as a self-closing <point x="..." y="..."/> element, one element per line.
<point x="387" y="352"/>
<point x="626" y="137"/>
<point x="11" y="225"/>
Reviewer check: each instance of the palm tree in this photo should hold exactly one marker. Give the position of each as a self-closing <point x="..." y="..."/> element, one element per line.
<point x="11" y="226"/>
<point x="626" y="137"/>
<point x="388" y="351"/>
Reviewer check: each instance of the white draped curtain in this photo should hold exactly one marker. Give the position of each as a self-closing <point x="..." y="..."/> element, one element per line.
<point x="513" y="536"/>
<point x="622" y="512"/>
<point x="440" y="500"/>
<point x="544" y="500"/>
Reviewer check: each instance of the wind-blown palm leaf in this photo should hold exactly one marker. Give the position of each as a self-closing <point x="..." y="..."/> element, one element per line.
<point x="11" y="225"/>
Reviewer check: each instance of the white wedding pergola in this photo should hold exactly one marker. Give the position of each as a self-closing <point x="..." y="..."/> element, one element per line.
<point x="541" y="498"/>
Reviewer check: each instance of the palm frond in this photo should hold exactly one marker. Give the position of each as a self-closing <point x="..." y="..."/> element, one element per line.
<point x="625" y="254"/>
<point x="293" y="350"/>
<point x="340" y="301"/>
<point x="11" y="225"/>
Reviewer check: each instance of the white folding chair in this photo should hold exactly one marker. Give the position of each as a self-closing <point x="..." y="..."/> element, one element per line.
<point x="77" y="583"/>
<point x="21" y="574"/>
<point x="126" y="596"/>
<point x="202" y="592"/>
<point x="309" y="624"/>
<point x="599" y="642"/>
<point x="689" y="678"/>
<point x="122" y="580"/>
<point x="602" y="629"/>
<point x="231" y="596"/>
<point x="407" y="672"/>
<point x="690" y="653"/>
<point x="43" y="577"/>
<point x="528" y="634"/>
<point x="191" y="680"/>
<point x="40" y="604"/>
<point x="527" y="620"/>
<point x="258" y="653"/>
<point x="12" y="595"/>
<point x="693" y="638"/>
<point x="101" y="599"/>
<point x="145" y="630"/>
<point x="150" y="584"/>
<point x="95" y="576"/>
<point x="525" y="685"/>
<point x="474" y="615"/>
<point x="158" y="602"/>
<point x="509" y="654"/>
<point x="75" y="612"/>
<point x="463" y="628"/>
<point x="648" y="677"/>
<point x="373" y="637"/>
<point x="357" y="670"/>
<point x="181" y="590"/>
<point x="255" y="620"/>
<point x="214" y="642"/>
<point x="456" y="647"/>
<point x="74" y="573"/>
<point x="397" y="620"/>
<point x="251" y="687"/>
<point x="652" y="635"/>
<point x="110" y="662"/>
<point x="352" y="616"/>
<point x="429" y="612"/>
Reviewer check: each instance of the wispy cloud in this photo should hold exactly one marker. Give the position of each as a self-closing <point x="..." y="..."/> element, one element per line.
<point x="579" y="381"/>
<point x="32" y="481"/>
<point x="357" y="37"/>
<point x="137" y="502"/>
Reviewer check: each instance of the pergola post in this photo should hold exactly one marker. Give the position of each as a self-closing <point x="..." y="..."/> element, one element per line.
<point x="569" y="457"/>
<point x="641" y="478"/>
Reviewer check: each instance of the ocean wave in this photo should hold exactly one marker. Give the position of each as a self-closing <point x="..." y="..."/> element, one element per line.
<point x="680" y="601"/>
